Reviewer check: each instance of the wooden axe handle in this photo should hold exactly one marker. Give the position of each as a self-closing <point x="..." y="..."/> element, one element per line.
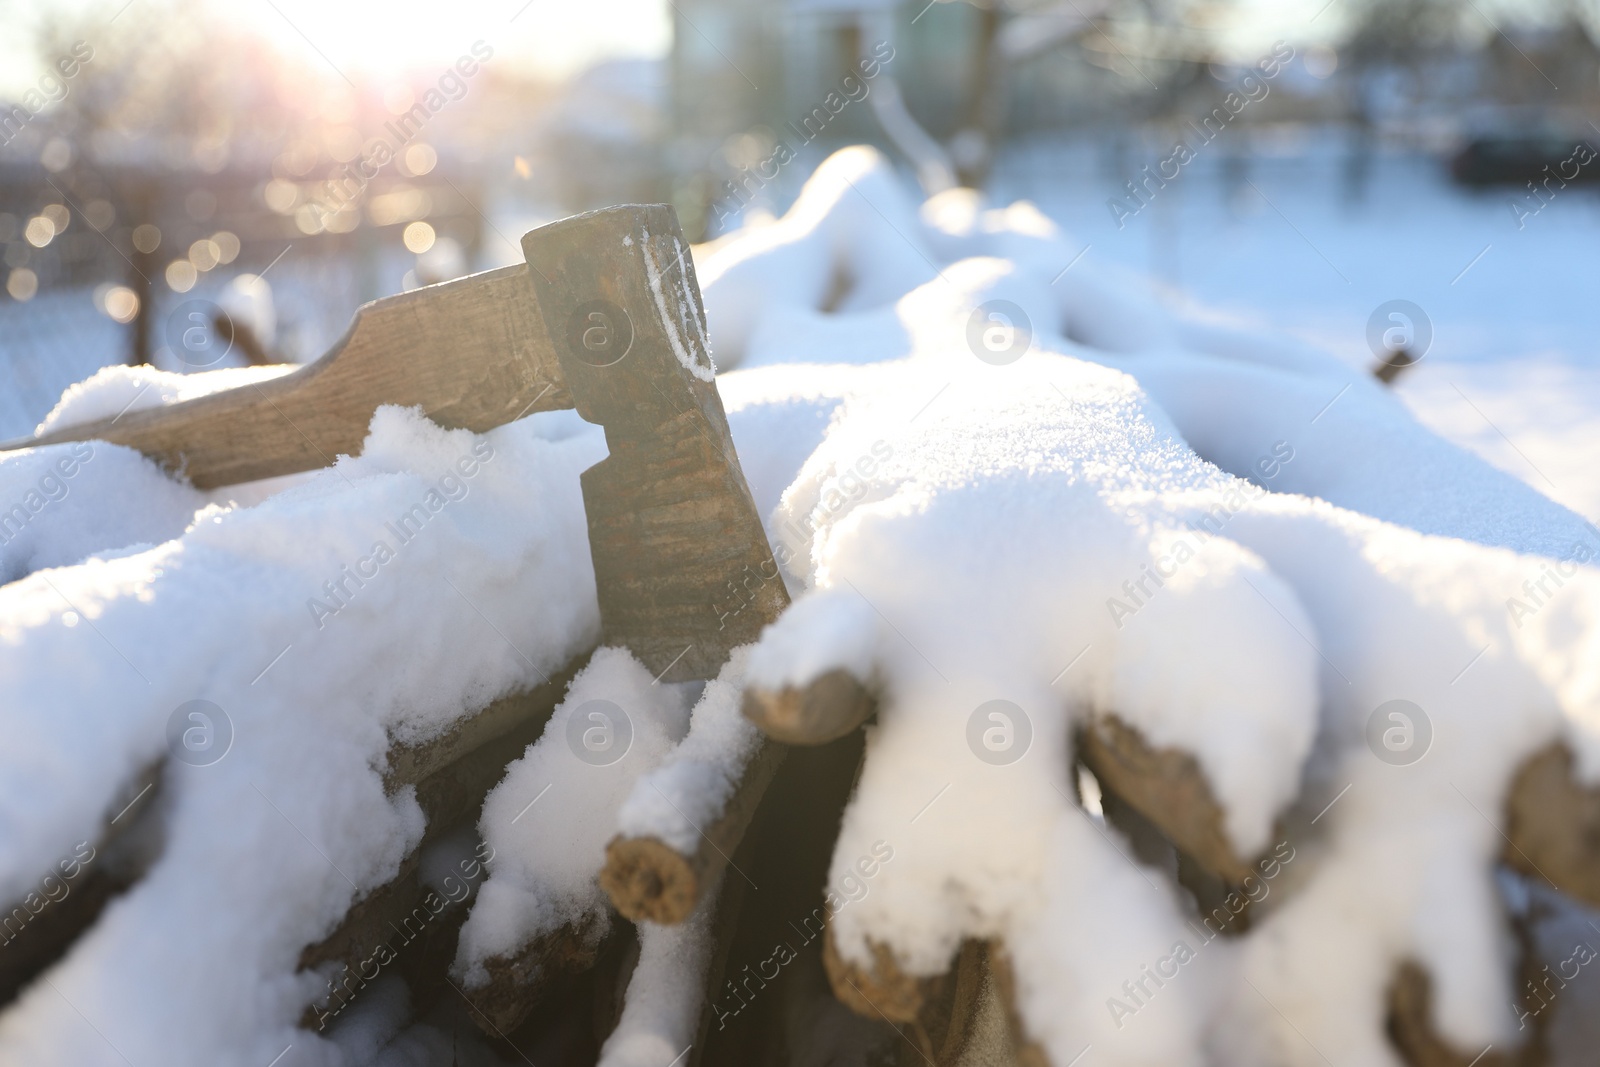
<point x="471" y="353"/>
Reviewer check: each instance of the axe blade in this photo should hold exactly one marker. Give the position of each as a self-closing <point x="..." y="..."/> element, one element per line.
<point x="683" y="567"/>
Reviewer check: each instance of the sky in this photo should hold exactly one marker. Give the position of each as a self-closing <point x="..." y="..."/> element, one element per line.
<point x="375" y="38"/>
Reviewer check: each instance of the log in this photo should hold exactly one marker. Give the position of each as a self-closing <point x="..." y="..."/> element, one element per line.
<point x="648" y="879"/>
<point x="129" y="841"/>
<point x="1028" y="1052"/>
<point x="520" y="980"/>
<point x="1553" y="825"/>
<point x="822" y="710"/>
<point x="1167" y="787"/>
<point x="1410" y="1026"/>
<point x="943" y="1016"/>
<point x="452" y="774"/>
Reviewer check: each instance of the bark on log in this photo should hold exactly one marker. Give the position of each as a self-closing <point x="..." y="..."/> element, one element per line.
<point x="518" y="981"/>
<point x="822" y="710"/>
<point x="648" y="879"/>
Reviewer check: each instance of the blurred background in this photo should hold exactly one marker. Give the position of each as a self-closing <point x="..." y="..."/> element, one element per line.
<point x="233" y="179"/>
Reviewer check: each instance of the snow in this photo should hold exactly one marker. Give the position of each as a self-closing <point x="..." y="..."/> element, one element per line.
<point x="65" y="502"/>
<point x="292" y="822"/>
<point x="691" y="786"/>
<point x="1053" y="480"/>
<point x="1097" y="503"/>
<point x="113" y="391"/>
<point x="661" y="1012"/>
<point x="550" y="818"/>
<point x="684" y="328"/>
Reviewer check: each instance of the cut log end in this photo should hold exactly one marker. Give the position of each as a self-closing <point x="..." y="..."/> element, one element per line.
<point x="649" y="880"/>
<point x="944" y="1016"/>
<point x="823" y="710"/>
<point x="1167" y="787"/>
<point x="879" y="991"/>
<point x="1553" y="825"/>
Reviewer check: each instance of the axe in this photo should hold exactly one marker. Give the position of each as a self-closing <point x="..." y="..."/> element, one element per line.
<point x="606" y="317"/>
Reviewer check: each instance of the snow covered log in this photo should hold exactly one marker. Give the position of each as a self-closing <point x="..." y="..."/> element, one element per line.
<point x="38" y="929"/>
<point x="1034" y="494"/>
<point x="451" y="775"/>
<point x="948" y="1018"/>
<point x="822" y="710"/>
<point x="651" y="880"/>
<point x="685" y="818"/>
<point x="1166" y="786"/>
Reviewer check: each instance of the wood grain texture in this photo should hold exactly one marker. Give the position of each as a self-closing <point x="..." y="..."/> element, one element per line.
<point x="472" y="353"/>
<point x="682" y="564"/>
<point x="649" y="880"/>
<point x="824" y="709"/>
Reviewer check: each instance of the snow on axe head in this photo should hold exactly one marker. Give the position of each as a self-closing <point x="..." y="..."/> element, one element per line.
<point x="605" y="316"/>
<point x="684" y="570"/>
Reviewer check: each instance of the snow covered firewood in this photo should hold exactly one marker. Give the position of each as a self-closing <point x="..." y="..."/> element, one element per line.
<point x="449" y="776"/>
<point x="933" y="572"/>
<point x="667" y="990"/>
<point x="65" y="900"/>
<point x="278" y="804"/>
<point x="541" y="911"/>
<point x="821" y="710"/>
<point x="1167" y="787"/>
<point x="648" y="879"/>
<point x="1086" y="531"/>
<point x="684" y="819"/>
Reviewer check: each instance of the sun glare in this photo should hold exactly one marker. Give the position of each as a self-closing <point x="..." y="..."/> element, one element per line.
<point x="378" y="39"/>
